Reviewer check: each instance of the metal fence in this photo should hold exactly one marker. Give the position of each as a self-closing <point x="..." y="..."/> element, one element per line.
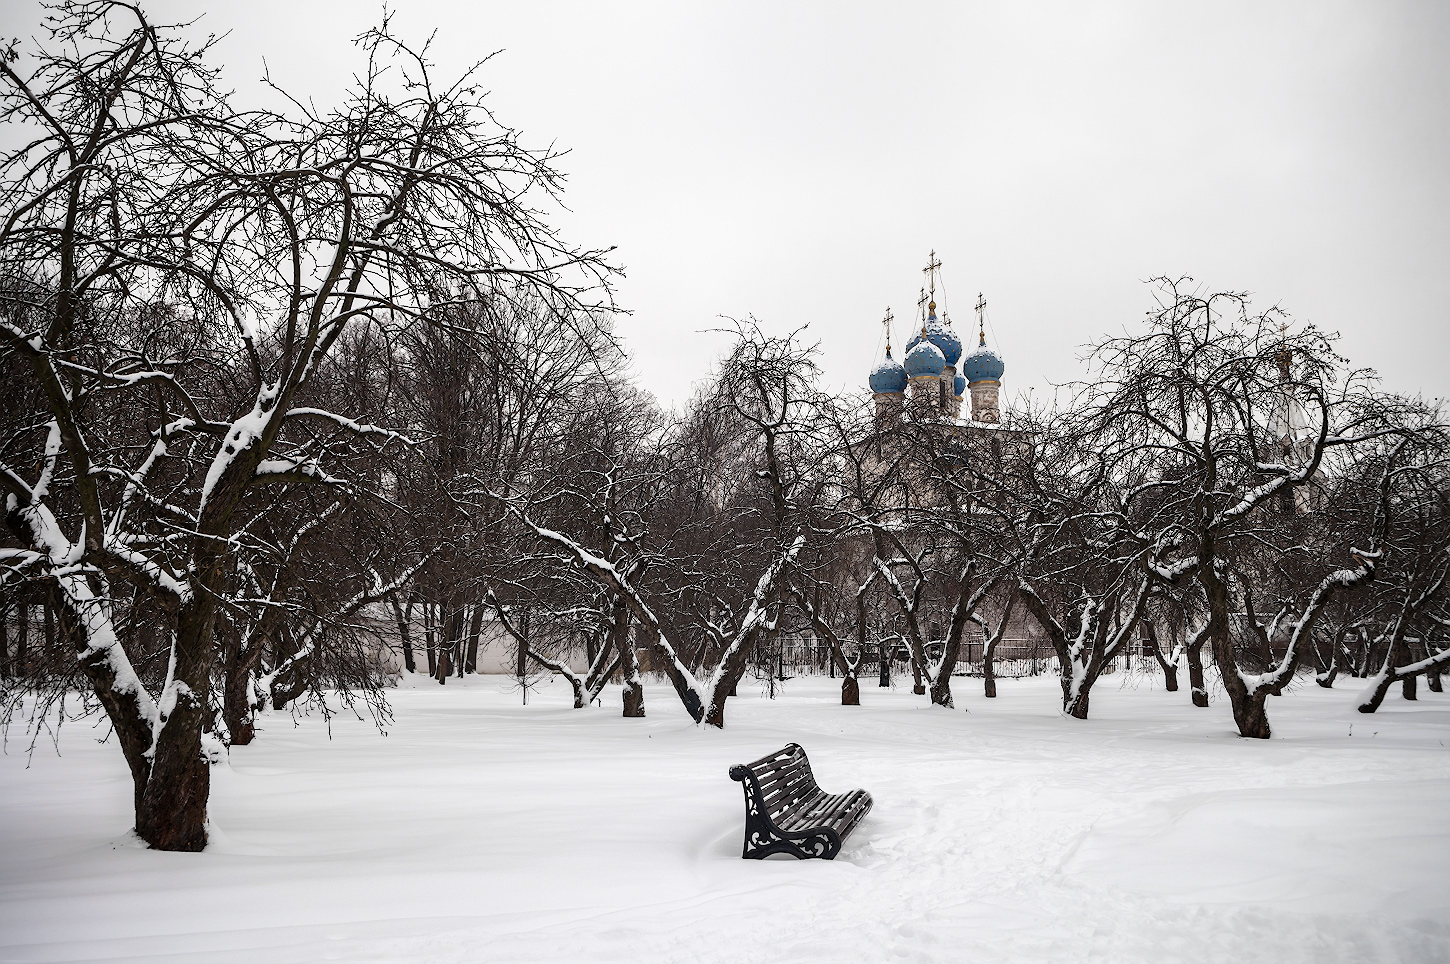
<point x="1014" y="658"/>
<point x="803" y="656"/>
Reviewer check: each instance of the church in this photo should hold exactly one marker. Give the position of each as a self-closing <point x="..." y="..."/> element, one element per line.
<point x="930" y="389"/>
<point x="935" y="377"/>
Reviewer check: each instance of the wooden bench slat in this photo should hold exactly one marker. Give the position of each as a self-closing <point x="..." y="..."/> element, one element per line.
<point x="787" y="794"/>
<point x="787" y="783"/>
<point x="826" y="811"/>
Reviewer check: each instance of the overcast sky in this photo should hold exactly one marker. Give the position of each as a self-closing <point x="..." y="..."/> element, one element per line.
<point x="798" y="161"/>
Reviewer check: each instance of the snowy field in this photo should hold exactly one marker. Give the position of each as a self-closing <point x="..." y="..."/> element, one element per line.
<point x="478" y="829"/>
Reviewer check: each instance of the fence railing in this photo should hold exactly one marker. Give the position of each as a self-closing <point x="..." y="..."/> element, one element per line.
<point x="804" y="657"/>
<point x="1014" y="658"/>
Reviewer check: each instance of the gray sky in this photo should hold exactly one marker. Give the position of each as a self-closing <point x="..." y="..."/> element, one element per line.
<point x="798" y="161"/>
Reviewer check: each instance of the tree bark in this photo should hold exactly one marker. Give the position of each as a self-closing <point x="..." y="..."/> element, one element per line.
<point x="443" y="627"/>
<point x="22" y="637"/>
<point x="1078" y="708"/>
<point x="172" y="815"/>
<point x="628" y="658"/>
<point x="430" y="639"/>
<point x="48" y="626"/>
<point x="240" y="659"/>
<point x="5" y="637"/>
<point x="1196" y="685"/>
<point x="475" y="630"/>
<point x="237" y="707"/>
<point x="457" y="639"/>
<point x="405" y="632"/>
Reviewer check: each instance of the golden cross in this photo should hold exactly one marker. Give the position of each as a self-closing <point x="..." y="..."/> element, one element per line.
<point x="886" y="322"/>
<point x="932" y="265"/>
<point x="981" y="323"/>
<point x="921" y="310"/>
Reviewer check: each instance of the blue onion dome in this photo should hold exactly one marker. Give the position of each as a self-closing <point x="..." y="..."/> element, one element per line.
<point x="960" y="388"/>
<point x="925" y="359"/>
<point x="939" y="335"/>
<point x="888" y="378"/>
<point x="983" y="365"/>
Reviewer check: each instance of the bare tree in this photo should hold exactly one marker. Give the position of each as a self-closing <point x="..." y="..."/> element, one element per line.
<point x="277" y="234"/>
<point x="1235" y="428"/>
<point x="765" y="391"/>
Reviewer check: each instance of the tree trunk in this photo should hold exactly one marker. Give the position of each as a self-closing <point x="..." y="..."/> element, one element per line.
<point x="731" y="671"/>
<point x="1250" y="715"/>
<point x="48" y="660"/>
<point x="989" y="647"/>
<point x="457" y="639"/>
<point x="989" y="669"/>
<point x="1076" y="676"/>
<point x="285" y="687"/>
<point x="1248" y="708"/>
<point x="239" y="660"/>
<point x="521" y="663"/>
<point x="22" y="637"/>
<point x="237" y="705"/>
<point x="5" y="637"/>
<point x="1196" y="685"/>
<point x="1377" y="692"/>
<point x="240" y="656"/>
<point x="628" y="659"/>
<point x="941" y="686"/>
<point x="405" y="632"/>
<point x="430" y="639"/>
<point x="1077" y="707"/>
<point x="475" y="630"/>
<point x="172" y="814"/>
<point x="447" y="634"/>
<point x="1408" y="687"/>
<point x="1432" y="679"/>
<point x="1170" y="670"/>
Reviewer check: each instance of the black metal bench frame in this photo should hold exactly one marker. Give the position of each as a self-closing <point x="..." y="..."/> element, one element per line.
<point x="786" y="812"/>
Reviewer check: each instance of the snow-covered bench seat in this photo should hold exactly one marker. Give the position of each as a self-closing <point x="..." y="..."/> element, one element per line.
<point x="787" y="813"/>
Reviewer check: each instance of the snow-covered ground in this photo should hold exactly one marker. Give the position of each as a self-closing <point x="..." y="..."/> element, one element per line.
<point x="479" y="829"/>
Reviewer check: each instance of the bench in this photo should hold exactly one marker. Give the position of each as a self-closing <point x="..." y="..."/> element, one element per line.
<point x="787" y="813"/>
